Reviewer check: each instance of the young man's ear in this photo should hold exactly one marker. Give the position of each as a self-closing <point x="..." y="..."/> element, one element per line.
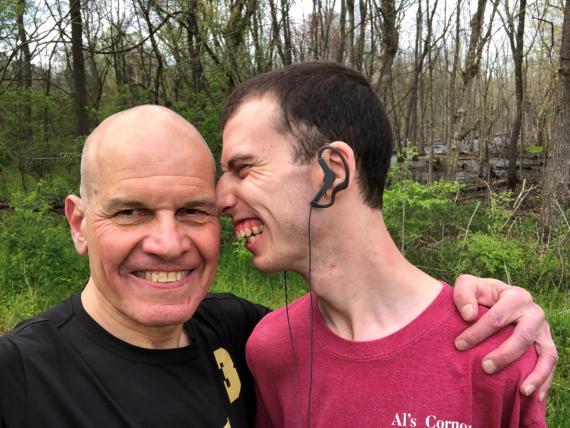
<point x="336" y="163"/>
<point x="75" y="214"/>
<point x="335" y="169"/>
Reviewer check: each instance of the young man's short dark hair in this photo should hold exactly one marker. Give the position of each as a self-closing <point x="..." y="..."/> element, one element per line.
<point x="322" y="102"/>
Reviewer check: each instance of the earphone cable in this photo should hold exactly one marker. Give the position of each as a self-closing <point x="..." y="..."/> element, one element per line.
<point x="311" y="322"/>
<point x="295" y="396"/>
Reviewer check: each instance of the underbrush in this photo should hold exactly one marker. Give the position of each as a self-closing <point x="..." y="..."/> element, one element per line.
<point x="39" y="266"/>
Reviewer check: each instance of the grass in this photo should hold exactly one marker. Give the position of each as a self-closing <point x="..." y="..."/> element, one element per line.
<point x="557" y="309"/>
<point x="36" y="272"/>
<point x="236" y="275"/>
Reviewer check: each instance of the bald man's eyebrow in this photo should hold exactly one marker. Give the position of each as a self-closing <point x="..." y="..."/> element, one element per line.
<point x="116" y="204"/>
<point x="200" y="202"/>
<point x="121" y="203"/>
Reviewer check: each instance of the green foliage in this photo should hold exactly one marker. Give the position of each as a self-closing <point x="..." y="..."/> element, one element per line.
<point x="535" y="149"/>
<point x="6" y="155"/>
<point x="8" y="12"/>
<point x="442" y="234"/>
<point x="413" y="212"/>
<point x="488" y="255"/>
<point x="204" y="114"/>
<point x="37" y="146"/>
<point x="38" y="263"/>
<point x="236" y="274"/>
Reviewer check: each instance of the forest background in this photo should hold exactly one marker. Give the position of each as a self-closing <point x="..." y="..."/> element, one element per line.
<point x="478" y="93"/>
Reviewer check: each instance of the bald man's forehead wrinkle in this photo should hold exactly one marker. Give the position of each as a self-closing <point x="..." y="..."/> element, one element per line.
<point x="147" y="132"/>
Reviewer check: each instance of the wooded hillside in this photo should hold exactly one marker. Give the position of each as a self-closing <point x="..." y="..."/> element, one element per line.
<point x="475" y="89"/>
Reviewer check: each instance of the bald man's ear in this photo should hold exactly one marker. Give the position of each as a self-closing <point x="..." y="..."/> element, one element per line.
<point x="75" y="213"/>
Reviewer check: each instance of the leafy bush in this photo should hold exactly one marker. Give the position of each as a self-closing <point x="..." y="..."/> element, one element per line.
<point x="37" y="257"/>
<point x="488" y="255"/>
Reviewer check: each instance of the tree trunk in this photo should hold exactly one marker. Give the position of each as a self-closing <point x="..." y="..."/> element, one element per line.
<point x="472" y="61"/>
<point x="390" y="39"/>
<point x="556" y="193"/>
<point x="410" y="127"/>
<point x="452" y="94"/>
<point x="275" y="29"/>
<point x="158" y="82"/>
<point x="516" y="42"/>
<point x="79" y="84"/>
<point x="361" y="35"/>
<point x="351" y="30"/>
<point x="195" y="41"/>
<point x="234" y="35"/>
<point x="342" y="34"/>
<point x="26" y="74"/>
<point x="287" y="44"/>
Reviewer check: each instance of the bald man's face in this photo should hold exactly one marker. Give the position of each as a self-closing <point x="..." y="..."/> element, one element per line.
<point x="150" y="225"/>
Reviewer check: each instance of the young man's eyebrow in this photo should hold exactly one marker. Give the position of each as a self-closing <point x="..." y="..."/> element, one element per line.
<point x="238" y="159"/>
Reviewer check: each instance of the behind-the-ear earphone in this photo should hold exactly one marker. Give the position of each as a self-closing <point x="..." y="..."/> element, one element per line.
<point x="330" y="177"/>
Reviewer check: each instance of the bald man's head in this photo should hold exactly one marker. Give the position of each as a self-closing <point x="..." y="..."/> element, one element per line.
<point x="149" y="134"/>
<point x="147" y="220"/>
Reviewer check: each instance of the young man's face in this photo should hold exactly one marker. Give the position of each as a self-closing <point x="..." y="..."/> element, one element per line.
<point x="265" y="192"/>
<point x="151" y="228"/>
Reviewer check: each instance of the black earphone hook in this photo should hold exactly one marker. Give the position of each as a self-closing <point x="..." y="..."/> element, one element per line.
<point x="330" y="177"/>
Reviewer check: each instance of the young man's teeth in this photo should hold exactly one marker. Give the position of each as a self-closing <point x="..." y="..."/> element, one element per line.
<point x="160" y="276"/>
<point x="249" y="233"/>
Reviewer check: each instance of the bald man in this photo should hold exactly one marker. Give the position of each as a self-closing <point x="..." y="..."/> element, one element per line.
<point x="141" y="345"/>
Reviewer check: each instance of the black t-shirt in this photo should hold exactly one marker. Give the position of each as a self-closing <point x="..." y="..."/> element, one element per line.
<point x="61" y="369"/>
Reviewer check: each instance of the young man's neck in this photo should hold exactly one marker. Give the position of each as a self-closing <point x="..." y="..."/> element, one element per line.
<point x="366" y="288"/>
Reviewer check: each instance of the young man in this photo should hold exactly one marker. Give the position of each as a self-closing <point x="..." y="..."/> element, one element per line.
<point x="373" y="346"/>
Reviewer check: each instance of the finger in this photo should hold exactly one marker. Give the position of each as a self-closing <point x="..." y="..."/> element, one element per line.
<point x="542" y="375"/>
<point x="509" y="351"/>
<point x="465" y="295"/>
<point x="543" y="392"/>
<point x="470" y="290"/>
<point x="512" y="305"/>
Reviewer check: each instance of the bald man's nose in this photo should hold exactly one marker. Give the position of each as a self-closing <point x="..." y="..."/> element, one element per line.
<point x="167" y="239"/>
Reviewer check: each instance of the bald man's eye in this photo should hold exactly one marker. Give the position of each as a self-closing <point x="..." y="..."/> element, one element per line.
<point x="131" y="213"/>
<point x="194" y="214"/>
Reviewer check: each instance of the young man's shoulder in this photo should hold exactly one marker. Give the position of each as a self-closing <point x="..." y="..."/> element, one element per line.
<point x="517" y="371"/>
<point x="277" y="326"/>
<point x="441" y="336"/>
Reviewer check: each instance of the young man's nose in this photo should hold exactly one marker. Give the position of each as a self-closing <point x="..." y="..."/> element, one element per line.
<point x="225" y="195"/>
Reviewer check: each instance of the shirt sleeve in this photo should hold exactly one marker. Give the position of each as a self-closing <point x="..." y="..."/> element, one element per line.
<point x="12" y="385"/>
<point x="533" y="412"/>
<point x="262" y="419"/>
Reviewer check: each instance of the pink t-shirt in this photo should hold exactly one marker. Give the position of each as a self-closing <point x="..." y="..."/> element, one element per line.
<point x="412" y="378"/>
